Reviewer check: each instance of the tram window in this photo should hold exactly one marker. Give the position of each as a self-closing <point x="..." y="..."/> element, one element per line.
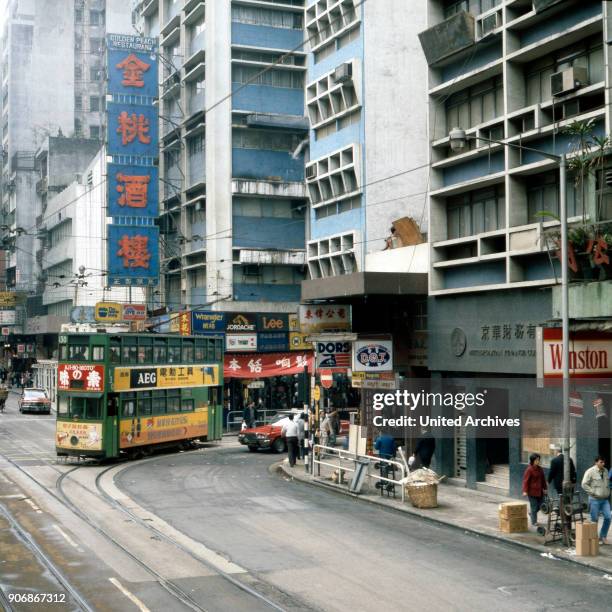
<point x="148" y="353"/>
<point x="128" y="408"/>
<point x="115" y="350"/>
<point x="64" y="352"/>
<point x="78" y="352"/>
<point x="97" y="353"/>
<point x="159" y="352"/>
<point x="62" y="405"/>
<point x="129" y="353"/>
<point x="173" y="404"/>
<point x="92" y="408"/>
<point x="159" y="402"/>
<point x="145" y="406"/>
<point x="186" y="405"/>
<point x="141" y="354"/>
<point x="188" y="351"/>
<point x="174" y="354"/>
<point x="200" y="351"/>
<point x="77" y="407"/>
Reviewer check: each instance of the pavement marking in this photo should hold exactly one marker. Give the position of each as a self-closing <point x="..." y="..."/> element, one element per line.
<point x="33" y="506"/>
<point x="130" y="596"/>
<point x="65" y="536"/>
<point x="13" y="496"/>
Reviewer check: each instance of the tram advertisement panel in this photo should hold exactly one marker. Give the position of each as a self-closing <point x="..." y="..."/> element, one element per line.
<point x="78" y="377"/>
<point x="82" y="436"/>
<point x="166" y="377"/>
<point x="153" y="430"/>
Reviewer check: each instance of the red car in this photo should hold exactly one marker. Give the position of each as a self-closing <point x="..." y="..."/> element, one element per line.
<point x="34" y="400"/>
<point x="269" y="436"/>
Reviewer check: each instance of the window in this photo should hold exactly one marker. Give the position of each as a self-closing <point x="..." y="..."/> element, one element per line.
<point x="129" y="353"/>
<point x="173" y="403"/>
<point x="260" y="139"/>
<point x="115" y="350"/>
<point x="174" y="354"/>
<point x="95" y="18"/>
<point x="186" y="405"/>
<point x="94" y="132"/>
<point x="78" y="102"/>
<point x="476" y="212"/>
<point x="62" y="404"/>
<point x="78" y="15"/>
<point x="94" y="103"/>
<point x="267" y="17"/>
<point x="159" y="351"/>
<point x="188" y="351"/>
<point x="97" y="353"/>
<point x="95" y="74"/>
<point x="145" y="404"/>
<point x="95" y="45"/>
<point x="475" y="105"/>
<point x="289" y="79"/>
<point x="78" y="352"/>
<point x="158" y="402"/>
<point x="85" y="407"/>
<point x="587" y="55"/>
<point x="543" y="195"/>
<point x="452" y="7"/>
<point x="195" y="145"/>
<point x="128" y="407"/>
<point x="78" y="73"/>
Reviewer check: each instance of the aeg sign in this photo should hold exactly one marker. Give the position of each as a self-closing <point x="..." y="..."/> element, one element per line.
<point x="333" y="355"/>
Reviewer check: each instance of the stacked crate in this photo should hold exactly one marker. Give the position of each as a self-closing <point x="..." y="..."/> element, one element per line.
<point x="587" y="542"/>
<point x="513" y="517"/>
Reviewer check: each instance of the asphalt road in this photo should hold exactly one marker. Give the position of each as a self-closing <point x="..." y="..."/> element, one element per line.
<point x="330" y="552"/>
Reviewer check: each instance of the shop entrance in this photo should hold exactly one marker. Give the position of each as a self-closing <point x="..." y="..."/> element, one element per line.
<point x="603" y="432"/>
<point x="496" y="448"/>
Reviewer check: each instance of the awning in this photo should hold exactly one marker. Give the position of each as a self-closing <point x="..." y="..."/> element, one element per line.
<point x="264" y="365"/>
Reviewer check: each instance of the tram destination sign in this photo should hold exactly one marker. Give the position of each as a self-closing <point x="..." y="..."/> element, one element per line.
<point x="166" y="377"/>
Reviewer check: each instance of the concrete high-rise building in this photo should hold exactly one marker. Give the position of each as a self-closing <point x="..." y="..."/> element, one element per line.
<point x="231" y="166"/>
<point x="535" y="74"/>
<point x="53" y="83"/>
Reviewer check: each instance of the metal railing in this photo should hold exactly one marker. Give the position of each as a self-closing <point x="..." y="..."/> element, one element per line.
<point x="233" y="421"/>
<point x="319" y="458"/>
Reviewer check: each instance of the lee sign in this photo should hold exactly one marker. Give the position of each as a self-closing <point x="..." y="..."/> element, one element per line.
<point x="590" y="354"/>
<point x="373" y="355"/>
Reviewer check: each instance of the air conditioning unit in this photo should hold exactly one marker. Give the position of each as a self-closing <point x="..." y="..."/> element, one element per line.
<point x="488" y="24"/>
<point x="311" y="171"/>
<point x="568" y="80"/>
<point x="183" y="284"/>
<point x="199" y="205"/>
<point x="343" y="73"/>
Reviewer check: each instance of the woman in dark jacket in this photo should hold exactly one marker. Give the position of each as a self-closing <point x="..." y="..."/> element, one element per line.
<point x="534" y="486"/>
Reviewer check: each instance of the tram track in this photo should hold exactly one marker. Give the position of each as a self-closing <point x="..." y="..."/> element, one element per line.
<point x="169" y="586"/>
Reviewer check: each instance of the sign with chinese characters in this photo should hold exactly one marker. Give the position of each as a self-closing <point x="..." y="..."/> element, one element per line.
<point x="147" y="430"/>
<point x="273" y="342"/>
<point x="185" y="323"/>
<point x="236" y="322"/>
<point x="133" y="255"/>
<point x="166" y="377"/>
<point x="321" y="318"/>
<point x="240" y="342"/>
<point x="133" y="191"/>
<point x="590" y="354"/>
<point x="7" y="317"/>
<point x="373" y="355"/>
<point x="263" y="366"/>
<point x="108" y="312"/>
<point x="333" y="355"/>
<point x="78" y="435"/>
<point x="132" y="146"/>
<point x="77" y="377"/>
<point x="203" y="322"/>
<point x="273" y="322"/>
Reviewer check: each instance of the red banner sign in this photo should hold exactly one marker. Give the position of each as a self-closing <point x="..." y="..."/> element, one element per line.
<point x="77" y="377"/>
<point x="258" y="365"/>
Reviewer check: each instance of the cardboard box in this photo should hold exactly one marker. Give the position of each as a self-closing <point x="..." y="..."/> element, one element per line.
<point x="583" y="548"/>
<point x="594" y="547"/>
<point x="515" y="524"/>
<point x="513" y="510"/>
<point x="586" y="531"/>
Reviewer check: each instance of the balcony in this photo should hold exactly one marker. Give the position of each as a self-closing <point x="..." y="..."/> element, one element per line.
<point x="586" y="300"/>
<point x="542" y="5"/>
<point x="267" y="120"/>
<point x="449" y="37"/>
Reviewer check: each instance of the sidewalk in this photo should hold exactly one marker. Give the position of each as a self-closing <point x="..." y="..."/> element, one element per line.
<point x="465" y="509"/>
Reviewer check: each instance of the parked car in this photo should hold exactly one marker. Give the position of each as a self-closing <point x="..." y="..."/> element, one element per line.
<point x="269" y="436"/>
<point x="34" y="400"/>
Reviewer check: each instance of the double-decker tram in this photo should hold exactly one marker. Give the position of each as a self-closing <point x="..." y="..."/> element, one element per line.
<point x="127" y="394"/>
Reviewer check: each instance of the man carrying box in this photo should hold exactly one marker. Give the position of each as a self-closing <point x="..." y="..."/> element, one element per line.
<point x="595" y="482"/>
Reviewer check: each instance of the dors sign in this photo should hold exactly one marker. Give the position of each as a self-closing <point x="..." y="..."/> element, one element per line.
<point x="333" y="355"/>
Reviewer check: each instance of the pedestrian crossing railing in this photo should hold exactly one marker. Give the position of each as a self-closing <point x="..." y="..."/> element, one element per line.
<point x="344" y="462"/>
<point x="233" y="421"/>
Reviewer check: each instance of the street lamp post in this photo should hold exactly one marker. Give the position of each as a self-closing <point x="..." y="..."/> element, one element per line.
<point x="458" y="140"/>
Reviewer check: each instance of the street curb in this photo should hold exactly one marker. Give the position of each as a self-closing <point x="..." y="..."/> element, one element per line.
<point x="561" y="556"/>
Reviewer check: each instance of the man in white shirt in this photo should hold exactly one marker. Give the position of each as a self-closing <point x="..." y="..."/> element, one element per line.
<point x="290" y="433"/>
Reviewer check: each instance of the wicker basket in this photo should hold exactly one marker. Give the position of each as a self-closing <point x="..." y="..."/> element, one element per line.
<point x="423" y="495"/>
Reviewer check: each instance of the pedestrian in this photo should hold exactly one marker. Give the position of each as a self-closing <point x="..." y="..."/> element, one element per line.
<point x="595" y="482"/>
<point x="385" y="445"/>
<point x="290" y="433"/>
<point x="555" y="473"/>
<point x="301" y="425"/>
<point x="326" y="431"/>
<point x="534" y="486"/>
<point x="425" y="448"/>
<point x="248" y="414"/>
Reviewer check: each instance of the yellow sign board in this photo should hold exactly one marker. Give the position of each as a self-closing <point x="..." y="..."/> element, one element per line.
<point x="316" y="394"/>
<point x="166" y="377"/>
<point x="109" y="312"/>
<point x="8" y="299"/>
<point x="78" y="436"/>
<point x="154" y="429"/>
<point x="297" y="342"/>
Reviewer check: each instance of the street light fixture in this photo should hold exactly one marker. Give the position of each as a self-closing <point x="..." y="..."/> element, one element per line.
<point x="458" y="142"/>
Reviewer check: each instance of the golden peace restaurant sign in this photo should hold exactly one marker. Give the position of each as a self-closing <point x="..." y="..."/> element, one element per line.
<point x="166" y="377"/>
